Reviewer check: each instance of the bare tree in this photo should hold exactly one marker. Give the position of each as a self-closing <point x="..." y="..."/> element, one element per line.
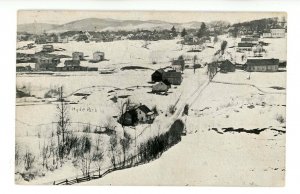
<point x="113" y="149"/>
<point x="63" y="122"/>
<point x="17" y="155"/>
<point x="45" y="150"/>
<point x="98" y="156"/>
<point x="29" y="159"/>
<point x="125" y="143"/>
<point x="124" y="106"/>
<point x="86" y="160"/>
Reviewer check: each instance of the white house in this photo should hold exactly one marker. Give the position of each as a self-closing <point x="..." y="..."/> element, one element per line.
<point x="144" y="114"/>
<point x="98" y="56"/>
<point x="267" y="35"/>
<point x="277" y="32"/>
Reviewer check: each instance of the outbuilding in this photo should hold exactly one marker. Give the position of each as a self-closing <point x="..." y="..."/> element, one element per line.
<point x="262" y="65"/>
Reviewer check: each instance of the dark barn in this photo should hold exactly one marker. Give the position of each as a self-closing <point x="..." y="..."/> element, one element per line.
<point x="157" y="76"/>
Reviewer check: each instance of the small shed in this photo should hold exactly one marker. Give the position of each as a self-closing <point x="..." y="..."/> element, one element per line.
<point x="78" y="56"/>
<point x="161" y="87"/>
<point x="48" y="48"/>
<point x="157" y="75"/>
<point x="98" y="56"/>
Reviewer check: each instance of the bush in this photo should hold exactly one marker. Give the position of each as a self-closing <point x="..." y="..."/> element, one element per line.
<point x="280" y="118"/>
<point x="155" y="146"/>
<point x="171" y="109"/>
<point x="186" y="110"/>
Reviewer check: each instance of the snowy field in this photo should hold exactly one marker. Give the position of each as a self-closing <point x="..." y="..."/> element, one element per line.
<point x="235" y="124"/>
<point x="97" y="108"/>
<point x="208" y="154"/>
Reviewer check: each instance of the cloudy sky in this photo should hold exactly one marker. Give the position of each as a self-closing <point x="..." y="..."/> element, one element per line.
<point x="61" y="17"/>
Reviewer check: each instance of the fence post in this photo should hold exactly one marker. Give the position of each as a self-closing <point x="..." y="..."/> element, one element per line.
<point x="76" y="179"/>
<point x="66" y="181"/>
<point x="53" y="182"/>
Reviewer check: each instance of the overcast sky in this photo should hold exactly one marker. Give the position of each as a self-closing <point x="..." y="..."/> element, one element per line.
<point x="61" y="17"/>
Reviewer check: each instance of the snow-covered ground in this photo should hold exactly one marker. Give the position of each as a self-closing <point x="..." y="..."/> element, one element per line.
<point x="206" y="156"/>
<point x="34" y="129"/>
<point x="210" y="157"/>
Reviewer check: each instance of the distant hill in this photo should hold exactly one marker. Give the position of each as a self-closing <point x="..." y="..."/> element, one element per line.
<point x="97" y="24"/>
<point x="36" y="28"/>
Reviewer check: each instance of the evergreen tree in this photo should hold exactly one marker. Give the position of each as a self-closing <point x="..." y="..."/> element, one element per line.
<point x="202" y="31"/>
<point x="183" y="33"/>
<point x="173" y="31"/>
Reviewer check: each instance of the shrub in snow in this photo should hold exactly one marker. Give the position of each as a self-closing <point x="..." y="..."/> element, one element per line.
<point x="280" y="118"/>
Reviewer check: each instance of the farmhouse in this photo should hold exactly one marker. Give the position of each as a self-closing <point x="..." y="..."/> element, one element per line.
<point x="157" y="75"/>
<point x="161" y="87"/>
<point x="244" y="47"/>
<point x="141" y="114"/>
<point x="173" y="77"/>
<point x="77" y="56"/>
<point x="226" y="66"/>
<point x="129" y="118"/>
<point x="267" y="34"/>
<point x="262" y="65"/>
<point x="98" y="56"/>
<point x="144" y="114"/>
<point x="277" y="32"/>
<point x="46" y="63"/>
<point x="48" y="48"/>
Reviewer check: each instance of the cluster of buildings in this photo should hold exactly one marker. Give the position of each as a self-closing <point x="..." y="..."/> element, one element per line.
<point x="278" y="32"/>
<point x="50" y="63"/>
<point x="50" y="38"/>
<point x="252" y="65"/>
<point x="168" y="76"/>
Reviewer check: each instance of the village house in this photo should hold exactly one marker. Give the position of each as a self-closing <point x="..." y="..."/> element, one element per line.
<point x="173" y="77"/>
<point x="23" y="68"/>
<point x="140" y="114"/>
<point x="244" y="47"/>
<point x="267" y="34"/>
<point x="72" y="65"/>
<point x="178" y="64"/>
<point x="226" y="66"/>
<point x="48" y="48"/>
<point x="144" y="114"/>
<point x="277" y="32"/>
<point x="129" y="118"/>
<point x="77" y="56"/>
<point x="46" y="63"/>
<point x="157" y="75"/>
<point x="162" y="86"/>
<point x="262" y="65"/>
<point x="40" y="40"/>
<point x="63" y="39"/>
<point x="98" y="56"/>
<point x="249" y="40"/>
